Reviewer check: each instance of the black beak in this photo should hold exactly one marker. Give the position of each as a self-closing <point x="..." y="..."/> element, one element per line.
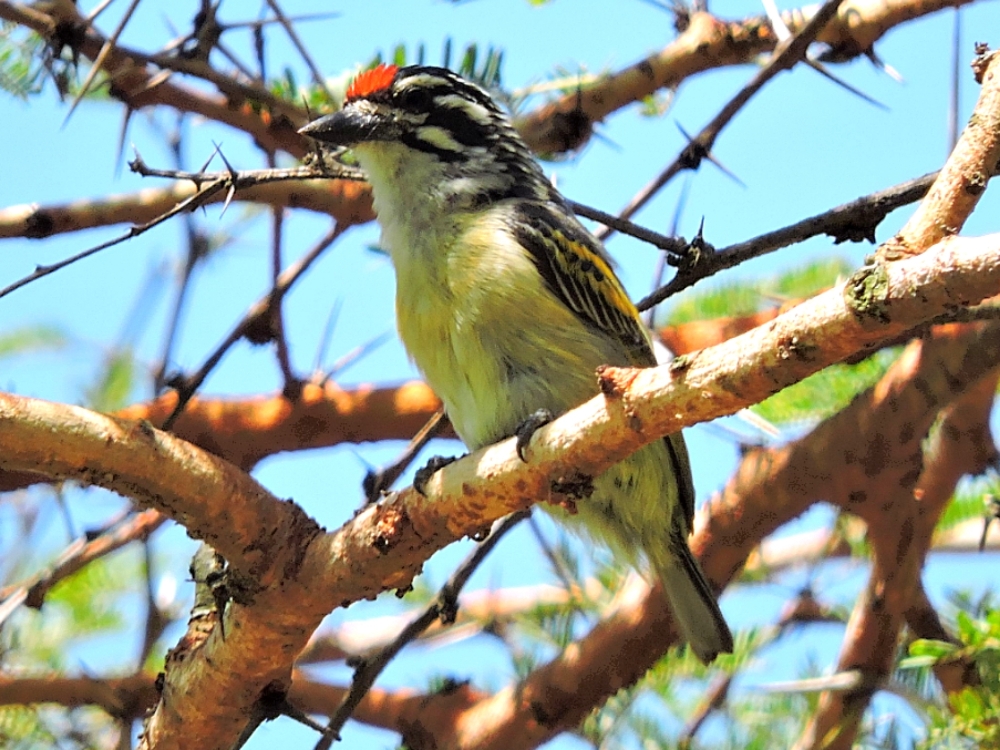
<point x="349" y="127"/>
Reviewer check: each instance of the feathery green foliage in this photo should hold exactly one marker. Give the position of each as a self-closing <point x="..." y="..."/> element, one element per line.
<point x="824" y="393"/>
<point x="969" y="720"/>
<point x="32" y="339"/>
<point x="970" y="502"/>
<point x="827" y="392"/>
<point x="21" y="75"/>
<point x="737" y="298"/>
<point x="115" y="383"/>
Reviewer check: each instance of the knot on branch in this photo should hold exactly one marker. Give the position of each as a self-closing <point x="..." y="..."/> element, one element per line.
<point x="866" y="294"/>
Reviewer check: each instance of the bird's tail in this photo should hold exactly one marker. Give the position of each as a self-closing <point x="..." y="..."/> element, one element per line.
<point x="693" y="605"/>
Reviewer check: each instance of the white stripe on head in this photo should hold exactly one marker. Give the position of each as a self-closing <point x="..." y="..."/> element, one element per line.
<point x="439" y="138"/>
<point x="420" y="80"/>
<point x="475" y="111"/>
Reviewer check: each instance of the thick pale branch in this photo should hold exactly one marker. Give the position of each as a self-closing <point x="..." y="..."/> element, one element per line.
<point x="810" y="547"/>
<point x="384" y="546"/>
<point x="245" y="431"/>
<point x="347" y="201"/>
<point x="160" y="471"/>
<point x="962" y="181"/>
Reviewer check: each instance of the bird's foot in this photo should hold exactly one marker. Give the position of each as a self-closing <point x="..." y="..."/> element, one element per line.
<point x="428" y="470"/>
<point x="528" y="427"/>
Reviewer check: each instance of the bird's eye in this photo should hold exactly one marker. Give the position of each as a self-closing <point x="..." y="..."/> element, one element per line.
<point x="417" y="99"/>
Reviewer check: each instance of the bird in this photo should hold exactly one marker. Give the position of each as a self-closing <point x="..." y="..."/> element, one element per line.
<point x="507" y="305"/>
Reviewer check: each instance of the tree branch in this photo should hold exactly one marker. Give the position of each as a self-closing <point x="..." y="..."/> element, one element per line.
<point x="706" y="43"/>
<point x="961" y="183"/>
<point x="770" y="488"/>
<point x="83" y="551"/>
<point x="126" y="697"/>
<point x="786" y="56"/>
<point x="295" y="574"/>
<point x="901" y="517"/>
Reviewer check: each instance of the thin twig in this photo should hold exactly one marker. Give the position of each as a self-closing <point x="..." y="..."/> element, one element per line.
<point x="306" y="57"/>
<point x="187" y="386"/>
<point x="662" y="259"/>
<point x="196" y="248"/>
<point x="88" y="548"/>
<point x="156" y="619"/>
<point x="566" y="578"/>
<point x="700" y="146"/>
<point x="854" y="221"/>
<point x="444" y="606"/>
<point x="134" y="231"/>
<point x="673" y="246"/>
<point x="378" y="481"/>
<point x="710" y="702"/>
<point x="241" y="179"/>
<point x="210" y="183"/>
<point x="293" y="384"/>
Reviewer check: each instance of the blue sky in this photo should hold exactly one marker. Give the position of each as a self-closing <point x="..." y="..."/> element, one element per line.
<point x="802" y="146"/>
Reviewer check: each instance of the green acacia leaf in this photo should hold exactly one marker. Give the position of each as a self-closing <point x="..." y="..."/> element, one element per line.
<point x="115" y="383"/>
<point x="924" y="647"/>
<point x="917" y="662"/>
<point x="738" y="298"/>
<point x="827" y="392"/>
<point x="32" y="339"/>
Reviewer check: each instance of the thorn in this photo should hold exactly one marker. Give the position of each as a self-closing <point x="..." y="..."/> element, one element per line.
<point x="92" y="16"/>
<point x="819" y="68"/>
<point x="233" y="174"/>
<point x="699" y="152"/>
<point x="136" y="165"/>
<point x="885" y="67"/>
<point x="121" y="139"/>
<point x="840" y="682"/>
<point x="357" y="353"/>
<point x="781" y="30"/>
<point x="211" y="156"/>
<point x="229" y="199"/>
<point x="109" y="44"/>
<point x="726" y="171"/>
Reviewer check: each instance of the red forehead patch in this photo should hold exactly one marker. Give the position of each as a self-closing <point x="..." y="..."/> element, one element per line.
<point x="370" y="82"/>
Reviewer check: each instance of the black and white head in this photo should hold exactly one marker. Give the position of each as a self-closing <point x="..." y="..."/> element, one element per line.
<point x="427" y="123"/>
